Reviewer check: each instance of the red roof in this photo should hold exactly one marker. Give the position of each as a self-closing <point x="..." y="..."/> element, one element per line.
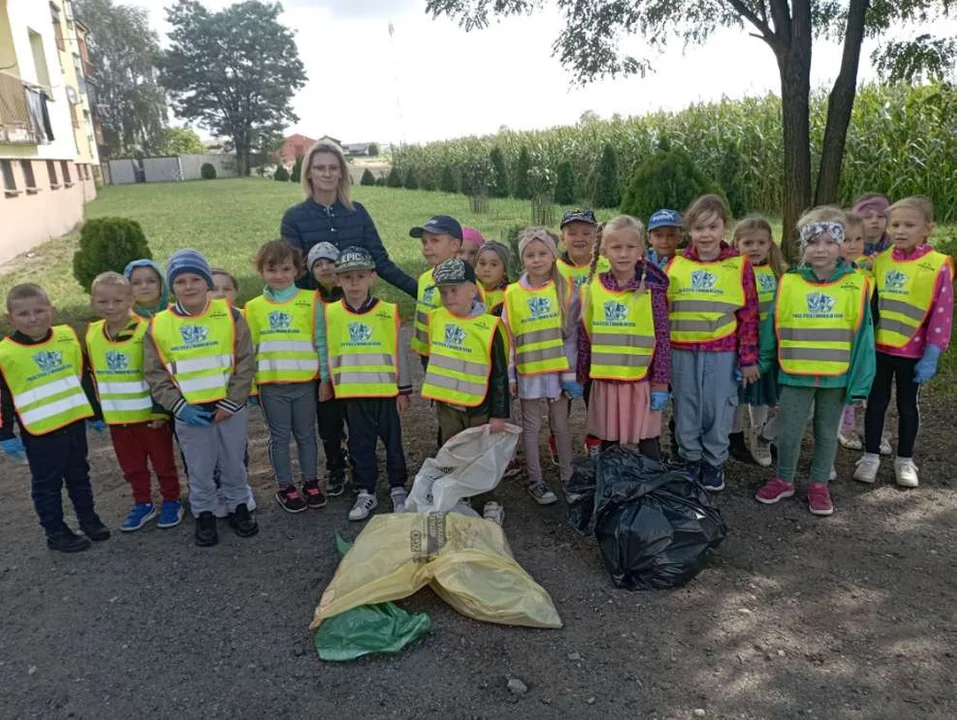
<point x="295" y="145"/>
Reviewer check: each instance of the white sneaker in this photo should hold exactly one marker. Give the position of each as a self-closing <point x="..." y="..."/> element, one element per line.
<point x="886" y="448"/>
<point x="867" y="467"/>
<point x="365" y="504"/>
<point x="494" y="512"/>
<point x="399" y="497"/>
<point x="833" y="476"/>
<point x="906" y="472"/>
<point x="760" y="450"/>
<point x="850" y="440"/>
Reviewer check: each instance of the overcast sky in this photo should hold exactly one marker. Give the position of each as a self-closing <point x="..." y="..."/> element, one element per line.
<point x="434" y="80"/>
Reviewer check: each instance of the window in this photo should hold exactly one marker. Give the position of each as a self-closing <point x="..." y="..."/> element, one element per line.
<point x="39" y="58"/>
<point x="29" y="177"/>
<point x="57" y="28"/>
<point x="75" y="115"/>
<point x="67" y="180"/>
<point x="51" y="171"/>
<point x="9" y="181"/>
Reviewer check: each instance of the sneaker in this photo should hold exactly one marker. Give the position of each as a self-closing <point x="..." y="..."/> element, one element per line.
<point x="906" y="472"/>
<point x="243" y="522"/>
<point x="290" y="499"/>
<point x="850" y="440"/>
<point x="760" y="450"/>
<point x="67" y="541"/>
<point x="592" y="446"/>
<point x="832" y="476"/>
<point x="553" y="451"/>
<point x="336" y="483"/>
<point x="774" y="491"/>
<point x="206" y="535"/>
<point x="541" y="493"/>
<point x="398" y="496"/>
<point x="365" y="504"/>
<point x="691" y="468"/>
<point x="819" y="499"/>
<point x="494" y="512"/>
<point x="314" y="497"/>
<point x="738" y="448"/>
<point x="94" y="528"/>
<point x="867" y="467"/>
<point x="514" y="469"/>
<point x="171" y="513"/>
<point x="886" y="448"/>
<point x="712" y="478"/>
<point x="141" y="514"/>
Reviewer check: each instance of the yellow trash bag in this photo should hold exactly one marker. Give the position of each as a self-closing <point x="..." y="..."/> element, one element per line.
<point x="465" y="560"/>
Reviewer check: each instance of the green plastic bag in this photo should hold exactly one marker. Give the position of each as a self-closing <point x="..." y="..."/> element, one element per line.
<point x="380" y="628"/>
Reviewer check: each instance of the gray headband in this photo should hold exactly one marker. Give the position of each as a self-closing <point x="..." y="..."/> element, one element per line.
<point x="814" y="230"/>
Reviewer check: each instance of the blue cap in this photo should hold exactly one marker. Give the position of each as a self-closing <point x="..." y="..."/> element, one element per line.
<point x="188" y="260"/>
<point x="664" y="218"/>
<point x="439" y="225"/>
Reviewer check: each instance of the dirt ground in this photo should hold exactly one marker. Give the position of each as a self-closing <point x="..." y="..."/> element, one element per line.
<point x="851" y="616"/>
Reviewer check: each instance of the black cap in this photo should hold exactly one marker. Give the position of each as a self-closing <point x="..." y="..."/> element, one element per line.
<point x="355" y="258"/>
<point x="439" y="225"/>
<point x="453" y="272"/>
<point x="583" y="216"/>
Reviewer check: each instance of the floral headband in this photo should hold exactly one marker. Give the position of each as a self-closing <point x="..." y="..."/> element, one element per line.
<point x="814" y="230"/>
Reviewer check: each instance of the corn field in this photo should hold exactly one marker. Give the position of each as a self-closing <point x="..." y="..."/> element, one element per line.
<point x="902" y="141"/>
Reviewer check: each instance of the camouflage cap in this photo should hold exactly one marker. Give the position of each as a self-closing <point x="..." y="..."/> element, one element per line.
<point x="355" y="258"/>
<point x="453" y="272"/>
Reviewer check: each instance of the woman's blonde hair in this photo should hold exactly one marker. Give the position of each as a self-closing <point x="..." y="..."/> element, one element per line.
<point x="344" y="191"/>
<point x="549" y="240"/>
<point x="756" y="222"/>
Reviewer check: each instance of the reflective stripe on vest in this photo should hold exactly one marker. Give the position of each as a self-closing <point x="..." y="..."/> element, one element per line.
<point x="576" y="275"/>
<point x="905" y="291"/>
<point x="535" y="328"/>
<point x="283" y="335"/>
<point x="118" y="370"/>
<point x="621" y="327"/>
<point x="460" y="358"/>
<point x="767" y="283"/>
<point x="363" y="350"/>
<point x="198" y="351"/>
<point x="703" y="298"/>
<point x="44" y="381"/>
<point x="816" y="323"/>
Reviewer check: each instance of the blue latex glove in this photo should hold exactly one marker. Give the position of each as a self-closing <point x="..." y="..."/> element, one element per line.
<point x="659" y="398"/>
<point x="253" y="400"/>
<point x="192" y="415"/>
<point x="738" y="377"/>
<point x="97" y="425"/>
<point x="573" y="389"/>
<point x="926" y="367"/>
<point x="13" y="449"/>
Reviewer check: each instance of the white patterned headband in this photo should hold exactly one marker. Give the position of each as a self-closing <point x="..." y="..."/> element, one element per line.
<point x="814" y="230"/>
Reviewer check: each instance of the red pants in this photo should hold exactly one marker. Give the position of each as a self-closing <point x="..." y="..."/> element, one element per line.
<point x="137" y="444"/>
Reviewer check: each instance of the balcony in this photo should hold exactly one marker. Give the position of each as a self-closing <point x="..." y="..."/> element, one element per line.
<point x="16" y="127"/>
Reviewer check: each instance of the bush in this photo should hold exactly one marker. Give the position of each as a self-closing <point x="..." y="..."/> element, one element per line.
<point x="108" y="243"/>
<point x="522" y="190"/>
<point x="447" y="180"/>
<point x="281" y="174"/>
<point x="510" y="240"/>
<point x="207" y="172"/>
<point x="296" y="174"/>
<point x="395" y="178"/>
<point x="410" y="181"/>
<point x="367" y="178"/>
<point x="373" y="150"/>
<point x="731" y="179"/>
<point x="668" y="179"/>
<point x="380" y="181"/>
<point x="607" y="184"/>
<point x="565" y="184"/>
<point x="499" y="186"/>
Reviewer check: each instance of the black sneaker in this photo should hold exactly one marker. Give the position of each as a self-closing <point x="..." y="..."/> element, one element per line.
<point x="335" y="484"/>
<point x="94" y="529"/>
<point x="67" y="541"/>
<point x="243" y="522"/>
<point x="290" y="499"/>
<point x="206" y="535"/>
<point x="314" y="497"/>
<point x="739" y="449"/>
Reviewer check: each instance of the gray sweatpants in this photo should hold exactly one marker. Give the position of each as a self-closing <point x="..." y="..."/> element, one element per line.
<point x="705" y="396"/>
<point x="290" y="410"/>
<point x="205" y="447"/>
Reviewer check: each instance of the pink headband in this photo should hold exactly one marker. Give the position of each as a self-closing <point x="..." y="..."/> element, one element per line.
<point x="531" y="236"/>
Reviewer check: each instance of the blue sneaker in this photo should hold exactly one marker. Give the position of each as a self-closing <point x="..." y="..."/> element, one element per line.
<point x="712" y="478"/>
<point x="141" y="514"/>
<point x="171" y="512"/>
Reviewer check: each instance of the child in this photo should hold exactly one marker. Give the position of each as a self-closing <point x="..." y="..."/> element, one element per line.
<point x="624" y="347"/>
<point x="441" y="240"/>
<point x="224" y="286"/>
<point x="467" y="375"/>
<point x="140" y="430"/>
<point x="491" y="269"/>
<point x="45" y="386"/>
<point x="287" y="328"/>
<point x="714" y="334"/>
<point x="819" y="336"/>
<point x="916" y="307"/>
<point x="872" y="208"/>
<point x="199" y="365"/>
<point x="752" y="238"/>
<point x="321" y="263"/>
<point x="150" y="294"/>
<point x="852" y="251"/>
<point x="579" y="230"/>
<point x="664" y="234"/>
<point x="370" y="375"/>
<point x="472" y="242"/>
<point x="543" y="350"/>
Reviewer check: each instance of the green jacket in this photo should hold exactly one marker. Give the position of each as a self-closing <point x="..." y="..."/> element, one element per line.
<point x="859" y="376"/>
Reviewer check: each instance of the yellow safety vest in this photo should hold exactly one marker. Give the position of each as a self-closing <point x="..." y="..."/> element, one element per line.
<point x="621" y="327"/>
<point x="427" y="300"/>
<point x="460" y="358"/>
<point x="816" y="323"/>
<point x="577" y="275"/>
<point x="118" y="370"/>
<point x="494" y="299"/>
<point x="284" y="338"/>
<point x="199" y="351"/>
<point x="535" y="328"/>
<point x="363" y="360"/>
<point x="767" y="283"/>
<point x="905" y="292"/>
<point x="45" y="381"/>
<point x="703" y="298"/>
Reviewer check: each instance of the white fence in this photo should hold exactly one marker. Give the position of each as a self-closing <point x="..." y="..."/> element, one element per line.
<point x="175" y="168"/>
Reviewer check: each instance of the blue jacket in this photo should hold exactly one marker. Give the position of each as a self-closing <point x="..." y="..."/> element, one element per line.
<point x="309" y="223"/>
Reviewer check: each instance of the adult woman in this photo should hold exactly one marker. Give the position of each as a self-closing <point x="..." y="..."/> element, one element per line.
<point x="329" y="215"/>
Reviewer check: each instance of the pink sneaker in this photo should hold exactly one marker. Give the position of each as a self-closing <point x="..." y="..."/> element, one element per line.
<point x="819" y="499"/>
<point x="773" y="491"/>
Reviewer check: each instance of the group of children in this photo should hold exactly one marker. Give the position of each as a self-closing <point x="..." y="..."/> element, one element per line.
<point x="623" y="318"/>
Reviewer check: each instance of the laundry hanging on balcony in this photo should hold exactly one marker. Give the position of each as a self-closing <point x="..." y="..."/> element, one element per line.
<point x="39" y="114"/>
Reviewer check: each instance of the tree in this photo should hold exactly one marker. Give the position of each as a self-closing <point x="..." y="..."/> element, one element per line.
<point x="373" y="150"/>
<point x="607" y="183"/>
<point x="499" y="187"/>
<point x="179" y="141"/>
<point x="667" y="179"/>
<point x="522" y="190"/>
<point x="592" y="30"/>
<point x="124" y="93"/>
<point x="447" y="180"/>
<point x="410" y="181"/>
<point x="234" y="71"/>
<point x="281" y="174"/>
<point x="367" y="179"/>
<point x="394" y="180"/>
<point x="296" y="174"/>
<point x="565" y="184"/>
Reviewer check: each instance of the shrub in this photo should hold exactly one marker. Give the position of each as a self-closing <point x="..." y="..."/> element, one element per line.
<point x="427" y="181"/>
<point x="281" y="174"/>
<point x="669" y="178"/>
<point x="731" y="179"/>
<point x="367" y="178"/>
<point x="607" y="184"/>
<point x="395" y="178"/>
<point x="380" y="181"/>
<point x="373" y="150"/>
<point x="499" y="186"/>
<point x="447" y="180"/>
<point x="207" y="172"/>
<point x="296" y="174"/>
<point x="521" y="189"/>
<point x="565" y="184"/>
<point x="108" y="243"/>
<point x="510" y="239"/>
<point x="477" y="176"/>
<point x="410" y="181"/>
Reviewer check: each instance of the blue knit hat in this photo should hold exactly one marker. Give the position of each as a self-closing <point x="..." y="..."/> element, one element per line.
<point x="188" y="261"/>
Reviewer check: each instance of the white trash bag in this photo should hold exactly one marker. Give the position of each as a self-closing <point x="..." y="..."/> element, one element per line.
<point x="469" y="464"/>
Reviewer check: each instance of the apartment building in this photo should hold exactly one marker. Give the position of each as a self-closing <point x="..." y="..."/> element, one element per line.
<point x="48" y="146"/>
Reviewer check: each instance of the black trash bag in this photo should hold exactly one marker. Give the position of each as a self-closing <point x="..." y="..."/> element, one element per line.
<point x="655" y="526"/>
